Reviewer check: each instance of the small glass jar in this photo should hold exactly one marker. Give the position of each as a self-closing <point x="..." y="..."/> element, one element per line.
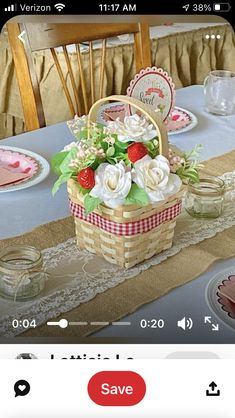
<point x="205" y="199"/>
<point x="21" y="273"/>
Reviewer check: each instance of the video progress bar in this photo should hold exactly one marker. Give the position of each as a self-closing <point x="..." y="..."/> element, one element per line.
<point x="63" y="323"/>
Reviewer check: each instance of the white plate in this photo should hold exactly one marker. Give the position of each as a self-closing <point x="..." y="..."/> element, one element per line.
<point x="40" y="175"/>
<point x="213" y="300"/>
<point x="118" y="109"/>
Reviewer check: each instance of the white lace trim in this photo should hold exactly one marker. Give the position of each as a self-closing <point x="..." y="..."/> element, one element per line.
<point x="87" y="275"/>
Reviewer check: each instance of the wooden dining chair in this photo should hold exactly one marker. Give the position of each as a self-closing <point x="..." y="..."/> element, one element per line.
<point x="43" y="36"/>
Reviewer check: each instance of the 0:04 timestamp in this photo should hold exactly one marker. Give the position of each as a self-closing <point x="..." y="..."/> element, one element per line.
<point x="24" y="323"/>
<point x="117" y="7"/>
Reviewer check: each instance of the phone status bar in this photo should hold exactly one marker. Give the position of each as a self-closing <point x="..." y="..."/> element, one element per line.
<point x="121" y="7"/>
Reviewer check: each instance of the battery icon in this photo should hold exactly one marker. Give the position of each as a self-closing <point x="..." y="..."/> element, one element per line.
<point x="221" y="7"/>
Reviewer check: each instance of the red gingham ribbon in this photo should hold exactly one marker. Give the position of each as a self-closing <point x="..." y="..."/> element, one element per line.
<point x="129" y="228"/>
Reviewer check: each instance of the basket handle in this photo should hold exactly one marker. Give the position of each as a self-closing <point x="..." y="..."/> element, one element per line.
<point x="143" y="108"/>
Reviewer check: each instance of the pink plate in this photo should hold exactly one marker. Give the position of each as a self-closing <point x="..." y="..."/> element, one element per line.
<point x="178" y="119"/>
<point x="226" y="304"/>
<point x="17" y="162"/>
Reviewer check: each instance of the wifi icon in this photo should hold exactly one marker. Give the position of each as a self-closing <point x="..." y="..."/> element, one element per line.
<point x="59" y="6"/>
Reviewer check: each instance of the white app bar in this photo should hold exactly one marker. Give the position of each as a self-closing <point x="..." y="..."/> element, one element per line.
<point x="138" y="388"/>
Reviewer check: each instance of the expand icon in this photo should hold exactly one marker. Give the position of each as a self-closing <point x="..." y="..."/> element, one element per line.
<point x="208" y="320"/>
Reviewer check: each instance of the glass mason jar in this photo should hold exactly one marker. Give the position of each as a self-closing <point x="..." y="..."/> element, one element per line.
<point x="205" y="199"/>
<point x="21" y="272"/>
<point x="219" y="91"/>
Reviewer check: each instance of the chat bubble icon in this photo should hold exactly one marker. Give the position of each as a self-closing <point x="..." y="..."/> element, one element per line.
<point x="21" y="388"/>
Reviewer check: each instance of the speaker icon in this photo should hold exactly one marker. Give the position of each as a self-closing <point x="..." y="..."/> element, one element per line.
<point x="185" y="323"/>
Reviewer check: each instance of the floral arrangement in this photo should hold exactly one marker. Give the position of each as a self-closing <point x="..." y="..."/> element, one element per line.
<point x="119" y="164"/>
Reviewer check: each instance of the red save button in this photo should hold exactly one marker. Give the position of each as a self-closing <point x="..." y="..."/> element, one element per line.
<point x="116" y="388"/>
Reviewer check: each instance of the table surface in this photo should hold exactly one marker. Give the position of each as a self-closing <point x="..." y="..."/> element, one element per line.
<point x="23" y="210"/>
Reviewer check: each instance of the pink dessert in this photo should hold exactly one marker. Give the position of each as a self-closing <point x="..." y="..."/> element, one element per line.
<point x="16" y="167"/>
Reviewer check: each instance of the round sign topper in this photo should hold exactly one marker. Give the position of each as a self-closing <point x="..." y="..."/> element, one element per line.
<point x="154" y="87"/>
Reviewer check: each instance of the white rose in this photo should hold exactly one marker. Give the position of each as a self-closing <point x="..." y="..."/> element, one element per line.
<point x="153" y="175"/>
<point x="134" y="128"/>
<point x="112" y="184"/>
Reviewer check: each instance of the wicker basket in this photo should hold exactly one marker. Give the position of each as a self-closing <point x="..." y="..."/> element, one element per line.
<point x="128" y="234"/>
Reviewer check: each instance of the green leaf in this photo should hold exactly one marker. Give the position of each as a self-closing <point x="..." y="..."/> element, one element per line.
<point x="112" y="160"/>
<point x="137" y="196"/>
<point x="57" y="160"/>
<point x="189" y="173"/>
<point x="100" y="125"/>
<point x="81" y="189"/>
<point x="121" y="146"/>
<point x="62" y="179"/>
<point x="110" y="151"/>
<point x="152" y="148"/>
<point x="104" y="145"/>
<point x="193" y="176"/>
<point x="194" y="153"/>
<point x="90" y="161"/>
<point x="95" y="164"/>
<point x="64" y="166"/>
<point x="91" y="203"/>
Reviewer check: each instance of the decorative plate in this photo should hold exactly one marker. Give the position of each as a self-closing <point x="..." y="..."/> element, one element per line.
<point x="18" y="160"/>
<point x="179" y="121"/>
<point x="223" y="308"/>
<point x="111" y="111"/>
<point x="154" y="87"/>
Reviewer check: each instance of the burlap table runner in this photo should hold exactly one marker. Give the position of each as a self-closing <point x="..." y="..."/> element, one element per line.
<point x="148" y="285"/>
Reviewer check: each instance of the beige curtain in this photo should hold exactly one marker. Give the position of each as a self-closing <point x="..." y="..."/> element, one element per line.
<point x="187" y="56"/>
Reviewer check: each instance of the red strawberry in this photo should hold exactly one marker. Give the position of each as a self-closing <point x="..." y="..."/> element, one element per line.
<point x="136" y="151"/>
<point x="86" y="178"/>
